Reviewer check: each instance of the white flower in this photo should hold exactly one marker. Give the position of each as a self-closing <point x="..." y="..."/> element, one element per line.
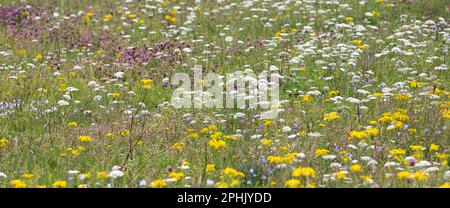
<point x="73" y="172"/>
<point x="71" y="89"/>
<point x="366" y="158"/>
<point x="256" y="136"/>
<point x="170" y="180"/>
<point x="301" y="155"/>
<point x="187" y="50"/>
<point x="97" y="98"/>
<point x="209" y="182"/>
<point x="447" y="174"/>
<point x="116" y="174"/>
<point x="3" y="175"/>
<point x="372" y="162"/>
<point x="92" y="84"/>
<point x="314" y="134"/>
<point x="142" y="183"/>
<point x="115" y="167"/>
<point x="229" y="39"/>
<point x="329" y="157"/>
<point x="119" y="75"/>
<point x="432" y="169"/>
<point x="67" y="97"/>
<point x="335" y="165"/>
<point x="286" y="129"/>
<point x="292" y="136"/>
<point x="389" y="164"/>
<point x="63" y="103"/>
<point x="184" y="167"/>
<point x="423" y="163"/>
<point x="273" y="68"/>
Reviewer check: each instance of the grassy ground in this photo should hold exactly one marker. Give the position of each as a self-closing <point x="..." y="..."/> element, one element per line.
<point x="366" y="85"/>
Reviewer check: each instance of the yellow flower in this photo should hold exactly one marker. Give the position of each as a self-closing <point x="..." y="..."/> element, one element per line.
<point x="375" y="13"/>
<point x="221" y="185"/>
<point x="416" y="147"/>
<point x="132" y="16"/>
<point x="176" y="175"/>
<point x="89" y="14"/>
<point x="377" y="94"/>
<point x="402" y="97"/>
<point x="210" y="168"/>
<point x="159" y="183"/>
<point x="267" y="122"/>
<point x="331" y="116"/>
<point x="194" y="136"/>
<point x="107" y="17"/>
<point x="404" y="175"/>
<point x="110" y="135"/>
<point x="356" y="168"/>
<point x="102" y="175"/>
<point x="72" y="124"/>
<point x="204" y="130"/>
<point x="21" y="52"/>
<point x="372" y="131"/>
<point x="434" y="147"/>
<point x="292" y="183"/>
<point x="146" y="83"/>
<point x="235" y="183"/>
<point x="282" y="159"/>
<point x="414" y="84"/>
<point x="398" y="124"/>
<point x="266" y="142"/>
<point x="27" y="175"/>
<point x="217" y="144"/>
<point x="230" y="137"/>
<point x="85" y="138"/>
<point x="445" y="185"/>
<point x="320" y="152"/>
<point x="306" y="98"/>
<point x="40" y="186"/>
<point x="283" y="149"/>
<point x="178" y="146"/>
<point x="445" y="113"/>
<point x="18" y="184"/>
<point x="333" y="93"/>
<point x="75" y="152"/>
<point x="341" y="175"/>
<point x="397" y="153"/>
<point x="365" y="178"/>
<point x="216" y="135"/>
<point x="173" y="12"/>
<point x="421" y="175"/>
<point x="231" y="172"/>
<point x="212" y="127"/>
<point x="115" y="95"/>
<point x="305" y="172"/>
<point x="3" y="143"/>
<point x="38" y="56"/>
<point x="170" y="19"/>
<point x="124" y="133"/>
<point x="349" y="19"/>
<point x="358" y="135"/>
<point x="82" y="186"/>
<point x="60" y="184"/>
<point x="357" y="42"/>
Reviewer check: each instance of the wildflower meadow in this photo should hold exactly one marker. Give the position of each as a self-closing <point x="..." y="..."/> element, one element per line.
<point x="224" y="93"/>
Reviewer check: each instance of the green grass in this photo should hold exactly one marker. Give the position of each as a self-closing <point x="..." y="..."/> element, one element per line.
<point x="37" y="141"/>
